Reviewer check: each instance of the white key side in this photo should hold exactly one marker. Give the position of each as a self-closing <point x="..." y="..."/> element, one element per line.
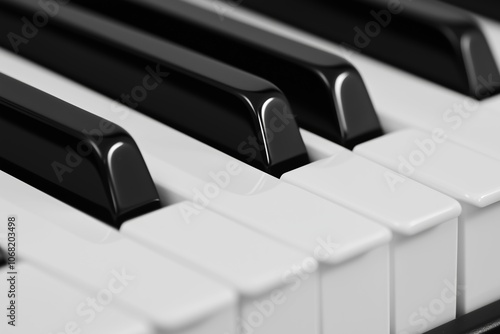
<point x="423" y="221"/>
<point x="471" y="178"/>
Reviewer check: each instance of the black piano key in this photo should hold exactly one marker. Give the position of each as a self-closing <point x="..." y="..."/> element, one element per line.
<point x="234" y="111"/>
<point x="3" y="257"/>
<point x="485" y="320"/>
<point x="428" y="38"/>
<point x="325" y="91"/>
<point x="489" y="8"/>
<point x="72" y="155"/>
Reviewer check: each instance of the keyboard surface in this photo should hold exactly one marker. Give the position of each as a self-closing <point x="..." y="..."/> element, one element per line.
<point x="237" y="166"/>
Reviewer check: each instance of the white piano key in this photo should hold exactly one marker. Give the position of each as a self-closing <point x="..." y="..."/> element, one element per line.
<point x="471" y="178"/>
<point x="48" y="305"/>
<point x="405" y="101"/>
<point x="184" y="169"/>
<point x="318" y="147"/>
<point x="423" y="221"/>
<point x="402" y="100"/>
<point x="170" y="297"/>
<point x="255" y="266"/>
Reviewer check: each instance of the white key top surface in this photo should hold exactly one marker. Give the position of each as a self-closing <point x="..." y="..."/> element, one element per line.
<point x="256" y="266"/>
<point x="71" y="310"/>
<point x="471" y="178"/>
<point x="169" y="296"/>
<point x="184" y="169"/>
<point x="318" y="147"/>
<point x="371" y="189"/>
<point x="423" y="221"/>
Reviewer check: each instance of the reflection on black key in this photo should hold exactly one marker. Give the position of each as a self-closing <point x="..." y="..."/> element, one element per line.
<point x="486" y="320"/>
<point x="325" y="91"/>
<point x="235" y="112"/>
<point x="3" y="257"/>
<point x="428" y="38"/>
<point x="75" y="156"/>
<point x="490" y="8"/>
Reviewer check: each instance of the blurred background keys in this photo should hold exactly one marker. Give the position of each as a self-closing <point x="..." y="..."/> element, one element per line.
<point x="489" y="8"/>
<point x="77" y="157"/>
<point x="324" y="90"/>
<point x="231" y="110"/>
<point x="427" y="38"/>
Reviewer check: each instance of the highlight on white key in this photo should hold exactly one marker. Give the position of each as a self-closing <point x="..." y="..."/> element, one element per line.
<point x="202" y="195"/>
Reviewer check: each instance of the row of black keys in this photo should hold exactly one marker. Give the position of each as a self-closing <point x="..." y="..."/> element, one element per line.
<point x="424" y="37"/>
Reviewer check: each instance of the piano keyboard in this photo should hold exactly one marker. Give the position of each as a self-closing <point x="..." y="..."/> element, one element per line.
<point x="240" y="167"/>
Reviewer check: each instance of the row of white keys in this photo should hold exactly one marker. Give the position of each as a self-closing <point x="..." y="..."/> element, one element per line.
<point x="346" y="245"/>
<point x="49" y="305"/>
<point x="403" y="100"/>
<point x="277" y="285"/>
<point x="470" y="177"/>
<point x="75" y="247"/>
<point x="406" y="101"/>
<point x="423" y="221"/>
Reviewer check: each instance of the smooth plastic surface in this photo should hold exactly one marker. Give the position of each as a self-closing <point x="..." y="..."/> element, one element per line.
<point x="258" y="268"/>
<point x="236" y="112"/>
<point x="471" y="178"/>
<point x="71" y="309"/>
<point x="479" y="276"/>
<point x="368" y="188"/>
<point x="428" y="38"/>
<point x="423" y="221"/>
<point x="73" y="155"/>
<point x="173" y="159"/>
<point x="324" y="90"/>
<point x="403" y="100"/>
<point x="185" y="169"/>
<point x="91" y="255"/>
<point x="3" y="258"/>
<point x="489" y="8"/>
<point x="452" y="169"/>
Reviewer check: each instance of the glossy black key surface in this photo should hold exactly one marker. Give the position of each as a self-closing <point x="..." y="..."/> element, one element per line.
<point x="3" y="257"/>
<point x="325" y="91"/>
<point x="73" y="155"/>
<point x="231" y="110"/>
<point x="489" y="8"/>
<point x="428" y="38"/>
<point x="485" y="320"/>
